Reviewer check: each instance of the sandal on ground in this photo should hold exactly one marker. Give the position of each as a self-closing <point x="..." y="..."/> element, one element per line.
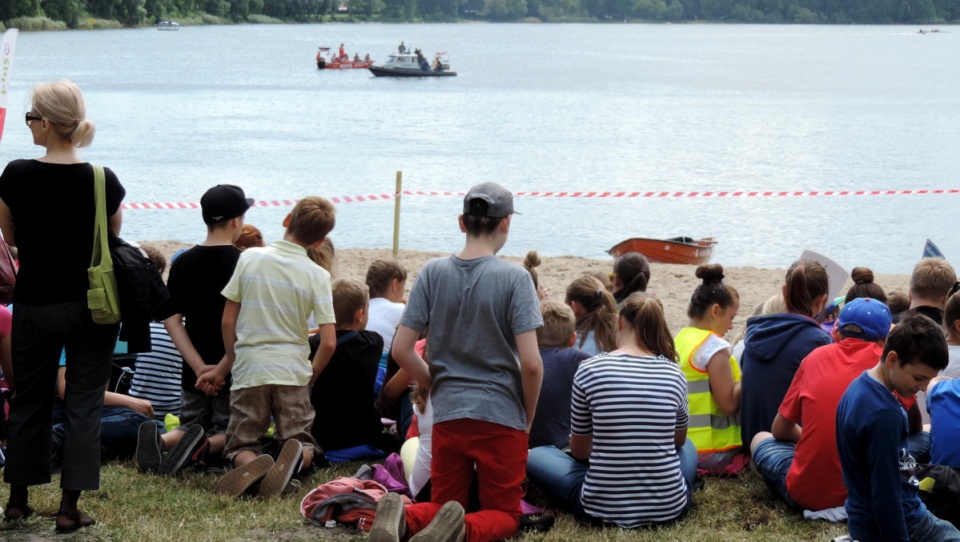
<point x="67" y="522"/>
<point x="22" y="511"/>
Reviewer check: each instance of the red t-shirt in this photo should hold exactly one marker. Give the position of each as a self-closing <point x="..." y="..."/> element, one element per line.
<point x="815" y="480"/>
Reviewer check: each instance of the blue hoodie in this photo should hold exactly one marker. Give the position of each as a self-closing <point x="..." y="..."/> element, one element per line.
<point x="775" y="345"/>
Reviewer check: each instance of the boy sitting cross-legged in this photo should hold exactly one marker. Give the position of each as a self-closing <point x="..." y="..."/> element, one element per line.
<point x="269" y="298"/>
<point x="883" y="502"/>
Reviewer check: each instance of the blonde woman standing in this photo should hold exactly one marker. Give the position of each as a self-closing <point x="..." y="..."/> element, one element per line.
<point x="47" y="210"/>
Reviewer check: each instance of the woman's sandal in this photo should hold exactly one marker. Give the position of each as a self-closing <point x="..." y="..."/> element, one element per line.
<point x="76" y="519"/>
<point x="23" y="511"/>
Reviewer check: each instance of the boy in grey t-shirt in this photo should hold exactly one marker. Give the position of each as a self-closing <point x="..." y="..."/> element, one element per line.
<point x="484" y="379"/>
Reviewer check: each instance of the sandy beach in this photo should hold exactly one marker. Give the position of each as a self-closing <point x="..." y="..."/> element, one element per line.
<point x="673" y="284"/>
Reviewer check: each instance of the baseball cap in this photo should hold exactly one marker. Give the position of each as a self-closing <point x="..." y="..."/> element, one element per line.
<point x="224" y="202"/>
<point x="488" y="199"/>
<point x="872" y="317"/>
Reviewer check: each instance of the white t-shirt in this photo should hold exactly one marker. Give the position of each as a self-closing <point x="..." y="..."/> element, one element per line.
<point x="384" y="316"/>
<point x="420" y="474"/>
<point x="712" y="345"/>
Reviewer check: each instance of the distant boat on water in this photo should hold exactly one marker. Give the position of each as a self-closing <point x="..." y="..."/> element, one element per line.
<point x="168" y="25"/>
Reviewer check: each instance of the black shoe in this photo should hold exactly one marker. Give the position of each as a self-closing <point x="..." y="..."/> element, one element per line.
<point x="148" y="447"/>
<point x="193" y="439"/>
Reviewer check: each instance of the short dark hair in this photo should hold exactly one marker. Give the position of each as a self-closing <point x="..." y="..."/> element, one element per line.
<point x="481" y="226"/>
<point x="918" y="339"/>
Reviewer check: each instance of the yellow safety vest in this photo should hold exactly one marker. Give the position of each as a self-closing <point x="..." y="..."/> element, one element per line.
<point x="710" y="429"/>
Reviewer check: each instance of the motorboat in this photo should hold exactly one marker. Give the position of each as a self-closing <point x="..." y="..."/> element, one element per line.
<point x="168" y="25"/>
<point x="680" y="250"/>
<point x="413" y="64"/>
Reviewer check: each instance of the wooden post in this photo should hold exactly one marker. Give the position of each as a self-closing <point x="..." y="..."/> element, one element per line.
<point x="396" y="216"/>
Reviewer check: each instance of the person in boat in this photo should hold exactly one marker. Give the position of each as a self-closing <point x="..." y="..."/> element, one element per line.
<point x="343" y="53"/>
<point x="366" y="58"/>
<point x="356" y="57"/>
<point x="401" y="48"/>
<point x="438" y="64"/>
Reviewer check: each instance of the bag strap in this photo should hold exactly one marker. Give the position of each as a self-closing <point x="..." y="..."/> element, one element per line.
<point x="101" y="247"/>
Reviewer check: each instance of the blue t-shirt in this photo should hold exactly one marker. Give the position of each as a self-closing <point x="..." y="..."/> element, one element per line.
<point x="882" y="492"/>
<point x="944" y="405"/>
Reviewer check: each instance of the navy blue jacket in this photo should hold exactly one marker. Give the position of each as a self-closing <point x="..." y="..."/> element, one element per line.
<point x="775" y="345"/>
<point x="883" y="502"/>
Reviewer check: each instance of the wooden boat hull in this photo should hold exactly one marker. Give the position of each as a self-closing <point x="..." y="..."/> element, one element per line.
<point x="678" y="250"/>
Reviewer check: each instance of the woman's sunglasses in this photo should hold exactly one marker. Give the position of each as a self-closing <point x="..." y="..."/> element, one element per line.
<point x="30" y="117"/>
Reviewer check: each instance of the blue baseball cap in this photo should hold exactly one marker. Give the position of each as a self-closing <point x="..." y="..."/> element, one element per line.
<point x="868" y="319"/>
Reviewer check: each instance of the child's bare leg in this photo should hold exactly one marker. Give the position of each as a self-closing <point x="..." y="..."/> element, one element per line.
<point x="307" y="459"/>
<point x="171" y="438"/>
<point x="244" y="457"/>
<point x="217" y="443"/>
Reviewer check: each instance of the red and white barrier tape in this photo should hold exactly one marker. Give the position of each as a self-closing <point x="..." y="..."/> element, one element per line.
<point x="692" y="194"/>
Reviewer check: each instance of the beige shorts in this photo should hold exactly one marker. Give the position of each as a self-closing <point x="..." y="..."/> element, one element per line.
<point x="250" y="412"/>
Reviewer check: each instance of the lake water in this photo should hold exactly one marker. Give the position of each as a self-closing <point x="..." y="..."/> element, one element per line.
<point x="675" y="108"/>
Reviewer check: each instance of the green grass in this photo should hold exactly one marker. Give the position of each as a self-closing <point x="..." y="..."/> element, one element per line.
<point x="135" y="507"/>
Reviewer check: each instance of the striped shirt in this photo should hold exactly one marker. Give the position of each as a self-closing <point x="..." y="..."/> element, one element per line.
<point x="632" y="407"/>
<point x="156" y="376"/>
<point x="278" y="288"/>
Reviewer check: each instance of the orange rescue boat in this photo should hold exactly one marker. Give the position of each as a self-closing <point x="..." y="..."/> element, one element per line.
<point x="681" y="250"/>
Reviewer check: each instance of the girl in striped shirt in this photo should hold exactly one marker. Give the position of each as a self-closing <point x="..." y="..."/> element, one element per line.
<point x="630" y="463"/>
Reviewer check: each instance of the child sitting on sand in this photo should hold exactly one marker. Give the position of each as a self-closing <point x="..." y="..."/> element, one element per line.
<point x="631" y="273"/>
<point x="776" y="344"/>
<point x="342" y="395"/>
<point x="630" y="464"/>
<point x="386" y="280"/>
<point x="713" y="375"/>
<point x="551" y="425"/>
<point x="596" y="314"/>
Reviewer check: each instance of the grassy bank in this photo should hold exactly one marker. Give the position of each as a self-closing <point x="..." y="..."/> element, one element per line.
<point x="130" y="506"/>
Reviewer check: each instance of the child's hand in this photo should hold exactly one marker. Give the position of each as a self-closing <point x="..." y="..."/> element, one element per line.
<point x="211" y="382"/>
<point x="204" y="370"/>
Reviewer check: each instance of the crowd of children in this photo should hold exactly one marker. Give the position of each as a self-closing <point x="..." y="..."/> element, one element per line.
<point x="271" y="364"/>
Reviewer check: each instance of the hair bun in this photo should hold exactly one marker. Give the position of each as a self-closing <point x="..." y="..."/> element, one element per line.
<point x="861" y="275"/>
<point x="710" y="272"/>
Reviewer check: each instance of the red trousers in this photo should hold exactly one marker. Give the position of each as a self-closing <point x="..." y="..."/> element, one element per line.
<point x="499" y="455"/>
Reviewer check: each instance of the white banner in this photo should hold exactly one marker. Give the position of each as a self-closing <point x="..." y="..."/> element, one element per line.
<point x="7" y="47"/>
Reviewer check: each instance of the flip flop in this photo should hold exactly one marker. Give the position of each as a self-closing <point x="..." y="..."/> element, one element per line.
<point x="79" y="520"/>
<point x="25" y="512"/>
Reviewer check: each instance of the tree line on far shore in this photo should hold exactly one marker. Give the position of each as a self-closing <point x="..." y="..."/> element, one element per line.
<point x="53" y="14"/>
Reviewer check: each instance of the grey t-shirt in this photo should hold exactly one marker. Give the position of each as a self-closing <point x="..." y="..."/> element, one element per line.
<point x="475" y="308"/>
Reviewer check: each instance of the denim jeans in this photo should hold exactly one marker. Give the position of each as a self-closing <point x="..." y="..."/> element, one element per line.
<point x="561" y="477"/>
<point x="933" y="529"/>
<point x="918" y="444"/>
<point x="119" y="428"/>
<point x="773" y="458"/>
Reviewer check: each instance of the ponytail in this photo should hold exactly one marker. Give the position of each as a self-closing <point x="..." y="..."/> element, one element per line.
<point x="601" y="312"/>
<point x="644" y="314"/>
<point x="806" y="280"/>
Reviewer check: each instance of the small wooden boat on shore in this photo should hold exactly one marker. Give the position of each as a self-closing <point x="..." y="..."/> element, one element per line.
<point x="681" y="250"/>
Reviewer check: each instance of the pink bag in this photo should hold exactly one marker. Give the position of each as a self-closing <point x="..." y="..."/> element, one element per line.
<point x="346" y="500"/>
